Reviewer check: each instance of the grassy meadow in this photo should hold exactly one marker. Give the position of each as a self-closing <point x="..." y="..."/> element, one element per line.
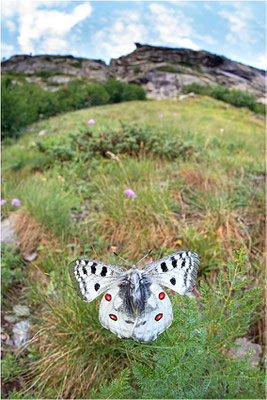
<point x="198" y="173"/>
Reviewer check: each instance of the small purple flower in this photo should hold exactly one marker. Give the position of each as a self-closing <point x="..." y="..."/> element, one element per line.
<point x="15" y="202"/>
<point x="91" y="122"/>
<point x="175" y="114"/>
<point x="3" y="202"/>
<point x="130" y="193"/>
<point x="161" y="116"/>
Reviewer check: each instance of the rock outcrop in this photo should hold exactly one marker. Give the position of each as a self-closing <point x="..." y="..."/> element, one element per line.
<point x="161" y="71"/>
<point x="67" y="67"/>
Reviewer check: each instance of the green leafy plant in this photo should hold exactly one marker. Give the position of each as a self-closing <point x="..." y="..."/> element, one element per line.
<point x="12" y="271"/>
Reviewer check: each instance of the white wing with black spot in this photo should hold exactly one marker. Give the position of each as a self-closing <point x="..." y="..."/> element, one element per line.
<point x="91" y="278"/>
<point x="177" y="271"/>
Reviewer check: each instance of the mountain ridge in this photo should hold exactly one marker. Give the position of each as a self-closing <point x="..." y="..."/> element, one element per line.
<point x="161" y="71"/>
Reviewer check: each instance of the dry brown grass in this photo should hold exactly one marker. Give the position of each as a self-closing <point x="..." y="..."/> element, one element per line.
<point x="74" y="353"/>
<point x="32" y="234"/>
<point x="198" y="179"/>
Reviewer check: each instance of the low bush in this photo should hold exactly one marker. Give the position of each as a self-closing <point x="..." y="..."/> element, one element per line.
<point x="25" y="103"/>
<point x="130" y="139"/>
<point x="119" y="91"/>
<point x="236" y="97"/>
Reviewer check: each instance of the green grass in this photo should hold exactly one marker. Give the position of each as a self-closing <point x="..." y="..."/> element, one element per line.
<point x="199" y="180"/>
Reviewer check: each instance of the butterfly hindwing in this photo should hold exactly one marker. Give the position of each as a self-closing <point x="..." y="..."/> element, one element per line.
<point x="113" y="314"/>
<point x="91" y="278"/>
<point x="157" y="315"/>
<point x="177" y="271"/>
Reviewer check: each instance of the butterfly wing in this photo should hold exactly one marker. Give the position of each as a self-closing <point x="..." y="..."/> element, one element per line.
<point x="114" y="315"/>
<point x="177" y="271"/>
<point x="91" y="278"/>
<point x="152" y="317"/>
<point x="155" y="317"/>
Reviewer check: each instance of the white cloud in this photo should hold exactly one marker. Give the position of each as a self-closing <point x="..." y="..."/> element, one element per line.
<point x="11" y="26"/>
<point x="7" y="49"/>
<point x="42" y="28"/>
<point x="118" y="39"/>
<point x="239" y="21"/>
<point x="172" y="27"/>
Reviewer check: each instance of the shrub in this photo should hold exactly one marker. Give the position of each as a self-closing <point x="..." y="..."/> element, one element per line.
<point x="129" y="139"/>
<point x="119" y="91"/>
<point x="26" y="103"/>
<point x="236" y="97"/>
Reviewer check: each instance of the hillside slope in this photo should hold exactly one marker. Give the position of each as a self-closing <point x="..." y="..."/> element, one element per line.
<point x="197" y="169"/>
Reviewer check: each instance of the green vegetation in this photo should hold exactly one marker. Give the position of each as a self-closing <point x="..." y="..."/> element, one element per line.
<point x="170" y="69"/>
<point x="25" y="103"/>
<point x="199" y="180"/>
<point x="236" y="97"/>
<point x="136" y="69"/>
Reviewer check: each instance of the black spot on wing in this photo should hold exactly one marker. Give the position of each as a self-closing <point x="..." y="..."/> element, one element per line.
<point x="104" y="271"/>
<point x="183" y="264"/>
<point x="129" y="322"/>
<point x="97" y="286"/>
<point x="173" y="281"/>
<point x="93" y="268"/>
<point x="84" y="270"/>
<point x="174" y="262"/>
<point x="164" y="267"/>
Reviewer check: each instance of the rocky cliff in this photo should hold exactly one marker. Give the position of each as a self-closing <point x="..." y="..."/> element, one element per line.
<point x="161" y="71"/>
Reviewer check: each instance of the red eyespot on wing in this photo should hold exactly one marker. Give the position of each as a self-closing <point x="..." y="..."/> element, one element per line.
<point x="161" y="295"/>
<point x="158" y="317"/>
<point x="112" y="316"/>
<point x="108" y="297"/>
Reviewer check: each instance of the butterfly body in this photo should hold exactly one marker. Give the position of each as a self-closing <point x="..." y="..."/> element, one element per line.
<point x="134" y="304"/>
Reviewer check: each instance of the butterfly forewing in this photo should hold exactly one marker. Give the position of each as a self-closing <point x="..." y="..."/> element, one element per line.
<point x="177" y="271"/>
<point x="91" y="278"/>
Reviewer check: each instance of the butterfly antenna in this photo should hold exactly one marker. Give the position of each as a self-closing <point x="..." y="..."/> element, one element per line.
<point x="144" y="257"/>
<point x="127" y="262"/>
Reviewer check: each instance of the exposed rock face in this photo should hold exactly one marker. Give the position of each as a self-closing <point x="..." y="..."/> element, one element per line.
<point x="68" y="65"/>
<point x="161" y="71"/>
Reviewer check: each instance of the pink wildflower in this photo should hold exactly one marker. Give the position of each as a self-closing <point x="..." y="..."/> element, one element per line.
<point x="3" y="202"/>
<point x="130" y="193"/>
<point x="161" y="116"/>
<point x="15" y="202"/>
<point x="175" y="114"/>
<point x="91" y="122"/>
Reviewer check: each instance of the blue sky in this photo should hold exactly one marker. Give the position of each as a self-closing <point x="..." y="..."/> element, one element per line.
<point x="108" y="29"/>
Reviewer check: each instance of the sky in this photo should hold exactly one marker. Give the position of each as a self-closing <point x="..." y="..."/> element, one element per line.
<point x="109" y="29"/>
